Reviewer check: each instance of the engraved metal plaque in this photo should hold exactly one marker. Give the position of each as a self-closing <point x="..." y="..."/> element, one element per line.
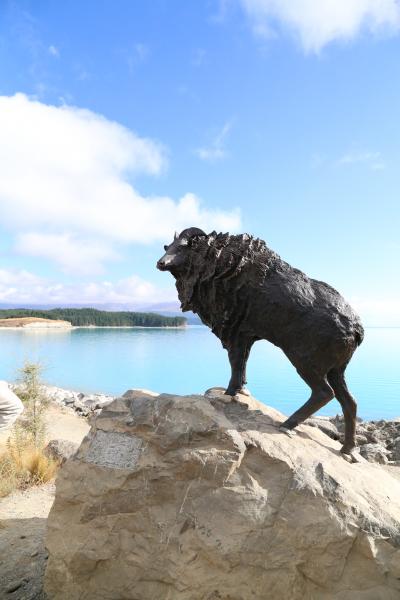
<point x="114" y="450"/>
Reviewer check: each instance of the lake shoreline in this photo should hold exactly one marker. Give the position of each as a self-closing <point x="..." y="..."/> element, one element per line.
<point x="93" y="327"/>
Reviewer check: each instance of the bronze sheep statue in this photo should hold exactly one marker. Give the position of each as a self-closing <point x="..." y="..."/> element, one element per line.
<point x="245" y="292"/>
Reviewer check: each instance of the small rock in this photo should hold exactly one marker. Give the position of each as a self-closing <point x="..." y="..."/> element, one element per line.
<point x="325" y="425"/>
<point x="374" y="453"/>
<point x="395" y="449"/>
<point x="218" y="393"/>
<point x="61" y="449"/>
<point x="91" y="403"/>
<point x="361" y="440"/>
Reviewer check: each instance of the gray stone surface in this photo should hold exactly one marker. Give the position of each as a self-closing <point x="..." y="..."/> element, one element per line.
<point x="374" y="453"/>
<point x="114" y="450"/>
<point x="326" y="425"/>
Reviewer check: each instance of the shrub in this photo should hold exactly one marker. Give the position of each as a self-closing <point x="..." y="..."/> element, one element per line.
<point x="30" y="428"/>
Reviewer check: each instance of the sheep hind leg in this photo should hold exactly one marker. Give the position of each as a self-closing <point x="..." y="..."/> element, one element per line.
<point x="321" y="394"/>
<point x="244" y="390"/>
<point x="238" y="356"/>
<point x="349" y="406"/>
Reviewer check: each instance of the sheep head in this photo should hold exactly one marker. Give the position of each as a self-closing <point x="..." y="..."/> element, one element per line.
<point x="177" y="256"/>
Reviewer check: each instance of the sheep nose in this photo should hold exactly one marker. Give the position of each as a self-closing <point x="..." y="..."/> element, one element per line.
<point x="160" y="264"/>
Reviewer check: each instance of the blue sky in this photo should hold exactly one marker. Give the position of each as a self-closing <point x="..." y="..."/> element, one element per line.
<point x="134" y="119"/>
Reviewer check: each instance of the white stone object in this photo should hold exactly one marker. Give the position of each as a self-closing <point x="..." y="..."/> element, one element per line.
<point x="10" y="406"/>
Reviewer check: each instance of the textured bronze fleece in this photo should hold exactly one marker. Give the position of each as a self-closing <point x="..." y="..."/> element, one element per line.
<point x="245" y="292"/>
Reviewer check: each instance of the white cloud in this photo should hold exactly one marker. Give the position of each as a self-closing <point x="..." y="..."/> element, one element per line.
<point x="129" y="290"/>
<point x="9" y="277"/>
<point x="216" y="150"/>
<point x="318" y="22"/>
<point x="24" y="287"/>
<point x="373" y="160"/>
<point x="80" y="257"/>
<point x="15" y="283"/>
<point x="67" y="172"/>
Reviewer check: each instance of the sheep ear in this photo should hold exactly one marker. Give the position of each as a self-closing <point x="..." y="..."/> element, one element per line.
<point x="176" y="235"/>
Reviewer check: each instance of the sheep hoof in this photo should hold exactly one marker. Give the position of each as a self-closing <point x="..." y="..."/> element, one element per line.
<point x="244" y="392"/>
<point x="287" y="431"/>
<point x="231" y="393"/>
<point x="350" y="457"/>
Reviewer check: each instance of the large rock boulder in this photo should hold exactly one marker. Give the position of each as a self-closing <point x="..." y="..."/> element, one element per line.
<point x="197" y="498"/>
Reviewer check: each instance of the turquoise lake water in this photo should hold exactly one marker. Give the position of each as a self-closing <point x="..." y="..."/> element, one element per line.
<point x="187" y="361"/>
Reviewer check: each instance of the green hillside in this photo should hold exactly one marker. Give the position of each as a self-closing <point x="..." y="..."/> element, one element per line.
<point x="101" y="318"/>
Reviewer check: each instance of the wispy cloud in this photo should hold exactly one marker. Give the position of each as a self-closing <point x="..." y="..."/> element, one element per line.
<point x="141" y="51"/>
<point x="54" y="51"/>
<point x="221" y="9"/>
<point x="373" y="160"/>
<point x="216" y="149"/>
<point x="26" y="30"/>
<point x="137" y="55"/>
<point x="199" y="57"/>
<point x="316" y="23"/>
<point x="82" y="74"/>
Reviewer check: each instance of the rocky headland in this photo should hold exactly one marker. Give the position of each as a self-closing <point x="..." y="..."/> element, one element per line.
<point x="203" y="498"/>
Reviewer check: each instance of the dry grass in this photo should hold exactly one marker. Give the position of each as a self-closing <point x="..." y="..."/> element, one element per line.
<point x="23" y="467"/>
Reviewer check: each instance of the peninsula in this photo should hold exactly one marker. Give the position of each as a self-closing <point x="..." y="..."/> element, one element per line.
<point x="34" y="323"/>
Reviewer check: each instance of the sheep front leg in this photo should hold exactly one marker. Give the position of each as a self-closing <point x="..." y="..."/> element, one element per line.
<point x="238" y="355"/>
